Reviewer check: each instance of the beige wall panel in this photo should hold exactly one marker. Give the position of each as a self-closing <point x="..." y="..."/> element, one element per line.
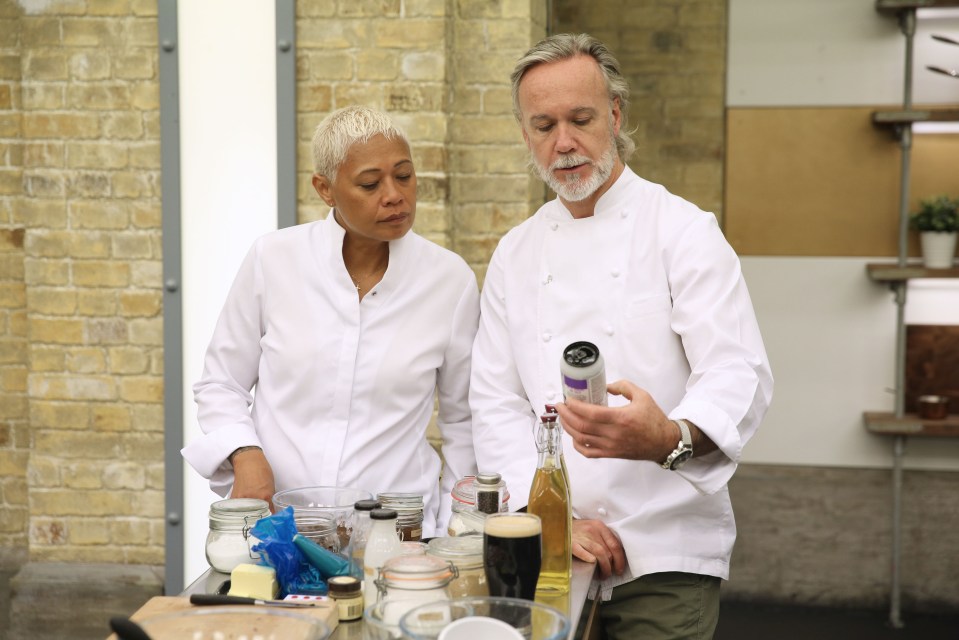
<point x="823" y="181"/>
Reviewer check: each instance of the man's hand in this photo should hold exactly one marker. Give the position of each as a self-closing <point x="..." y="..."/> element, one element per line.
<point x="253" y="476"/>
<point x="637" y="431"/>
<point x="594" y="542"/>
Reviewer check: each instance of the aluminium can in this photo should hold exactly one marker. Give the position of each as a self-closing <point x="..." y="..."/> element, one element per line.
<point x="583" y="373"/>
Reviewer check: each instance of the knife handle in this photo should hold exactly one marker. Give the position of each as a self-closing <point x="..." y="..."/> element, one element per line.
<point x="216" y="599"/>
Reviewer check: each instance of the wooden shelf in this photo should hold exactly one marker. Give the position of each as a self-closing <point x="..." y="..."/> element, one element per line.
<point x="892" y="272"/>
<point x="910" y="116"/>
<point x="895" y="6"/>
<point x="887" y="424"/>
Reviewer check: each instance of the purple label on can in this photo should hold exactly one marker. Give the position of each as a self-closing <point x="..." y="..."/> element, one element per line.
<point x="574" y="383"/>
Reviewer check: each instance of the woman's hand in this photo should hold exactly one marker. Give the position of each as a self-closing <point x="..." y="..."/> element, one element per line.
<point x="594" y="542"/>
<point x="253" y="476"/>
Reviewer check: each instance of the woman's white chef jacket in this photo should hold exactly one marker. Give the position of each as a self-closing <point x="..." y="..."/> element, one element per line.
<point x="344" y="388"/>
<point x="652" y="282"/>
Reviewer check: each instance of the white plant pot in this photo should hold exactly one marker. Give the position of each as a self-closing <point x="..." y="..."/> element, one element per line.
<point x="938" y="248"/>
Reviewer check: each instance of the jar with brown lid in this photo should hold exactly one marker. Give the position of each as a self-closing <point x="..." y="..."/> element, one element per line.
<point x="348" y="594"/>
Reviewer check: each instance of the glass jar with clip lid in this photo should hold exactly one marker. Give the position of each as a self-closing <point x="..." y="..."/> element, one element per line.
<point x="229" y="542"/>
<point x="409" y="581"/>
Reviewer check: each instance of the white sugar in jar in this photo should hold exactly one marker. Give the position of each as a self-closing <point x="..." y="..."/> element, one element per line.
<point x="229" y="542"/>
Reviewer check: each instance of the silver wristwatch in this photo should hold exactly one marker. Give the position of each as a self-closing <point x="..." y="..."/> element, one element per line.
<point x="683" y="450"/>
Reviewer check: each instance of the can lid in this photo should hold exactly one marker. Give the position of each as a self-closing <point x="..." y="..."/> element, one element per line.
<point x="383" y="514"/>
<point x="581" y="354"/>
<point x="366" y="505"/>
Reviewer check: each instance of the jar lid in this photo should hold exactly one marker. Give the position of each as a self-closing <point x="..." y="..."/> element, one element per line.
<point x="383" y="514"/>
<point x="408" y="500"/>
<point x="492" y="479"/>
<point x="366" y="505"/>
<point x="343" y="585"/>
<point x="457" y="549"/>
<point x="416" y="572"/>
<point x="239" y="507"/>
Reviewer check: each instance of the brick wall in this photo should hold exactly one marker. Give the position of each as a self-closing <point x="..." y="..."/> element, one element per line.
<point x="91" y="264"/>
<point x="14" y="430"/>
<point x="492" y="189"/>
<point x="673" y="53"/>
<point x="386" y="54"/>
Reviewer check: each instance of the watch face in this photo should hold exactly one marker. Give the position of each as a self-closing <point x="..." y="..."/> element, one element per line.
<point x="681" y="459"/>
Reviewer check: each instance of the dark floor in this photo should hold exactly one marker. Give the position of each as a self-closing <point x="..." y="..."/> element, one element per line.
<point x="738" y="621"/>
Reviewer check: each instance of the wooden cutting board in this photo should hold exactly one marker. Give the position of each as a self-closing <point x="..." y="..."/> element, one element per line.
<point x="324" y="610"/>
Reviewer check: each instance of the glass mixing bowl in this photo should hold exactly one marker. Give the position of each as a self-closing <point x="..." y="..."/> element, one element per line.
<point x="533" y="621"/>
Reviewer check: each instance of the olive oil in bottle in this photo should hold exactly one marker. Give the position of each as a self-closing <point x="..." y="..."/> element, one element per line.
<point x="549" y="499"/>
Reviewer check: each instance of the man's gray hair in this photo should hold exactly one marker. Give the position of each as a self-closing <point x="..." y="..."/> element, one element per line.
<point x="564" y="46"/>
<point x="342" y="129"/>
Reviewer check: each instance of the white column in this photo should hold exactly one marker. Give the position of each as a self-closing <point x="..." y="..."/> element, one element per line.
<point x="227" y="67"/>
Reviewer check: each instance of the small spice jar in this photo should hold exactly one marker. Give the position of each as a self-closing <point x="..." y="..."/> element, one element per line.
<point x="465" y="518"/>
<point x="933" y="407"/>
<point x="466" y="554"/>
<point x="346" y="591"/>
<point x="411" y="581"/>
<point x="489" y="490"/>
<point x="409" y="513"/>
<point x="229" y="542"/>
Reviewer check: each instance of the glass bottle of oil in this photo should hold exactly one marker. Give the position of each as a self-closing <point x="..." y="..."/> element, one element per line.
<point x="549" y="499"/>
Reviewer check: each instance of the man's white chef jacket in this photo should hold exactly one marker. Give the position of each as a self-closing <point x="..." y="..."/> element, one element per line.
<point x="344" y="388"/>
<point x="652" y="282"/>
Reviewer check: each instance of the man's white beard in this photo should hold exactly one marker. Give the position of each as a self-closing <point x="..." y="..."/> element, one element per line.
<point x="575" y="188"/>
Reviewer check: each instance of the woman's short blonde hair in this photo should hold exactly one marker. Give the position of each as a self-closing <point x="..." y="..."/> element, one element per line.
<point x="342" y="129"/>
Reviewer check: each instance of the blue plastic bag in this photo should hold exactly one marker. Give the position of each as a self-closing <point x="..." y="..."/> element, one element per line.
<point x="277" y="550"/>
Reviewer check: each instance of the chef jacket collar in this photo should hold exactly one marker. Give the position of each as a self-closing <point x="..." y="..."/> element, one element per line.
<point x="391" y="278"/>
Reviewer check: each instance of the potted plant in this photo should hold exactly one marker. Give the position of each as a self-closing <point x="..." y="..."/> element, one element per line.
<point x="937" y="222"/>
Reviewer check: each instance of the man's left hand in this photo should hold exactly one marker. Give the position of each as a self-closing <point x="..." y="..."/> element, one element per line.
<point x="637" y="431"/>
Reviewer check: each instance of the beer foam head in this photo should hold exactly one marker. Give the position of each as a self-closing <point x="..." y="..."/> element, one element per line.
<point x="520" y="525"/>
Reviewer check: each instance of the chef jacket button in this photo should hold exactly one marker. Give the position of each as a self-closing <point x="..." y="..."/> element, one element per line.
<point x="623" y="213"/>
<point x="601" y="511"/>
<point x="614" y="273"/>
<point x="546" y="337"/>
<point x="550" y="395"/>
<point x="553" y="226"/>
<point x="608" y="329"/>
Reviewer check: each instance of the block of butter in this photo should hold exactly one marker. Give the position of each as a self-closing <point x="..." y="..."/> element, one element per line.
<point x="254" y="581"/>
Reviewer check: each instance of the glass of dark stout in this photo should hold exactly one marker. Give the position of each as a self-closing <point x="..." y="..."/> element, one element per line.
<point x="512" y="554"/>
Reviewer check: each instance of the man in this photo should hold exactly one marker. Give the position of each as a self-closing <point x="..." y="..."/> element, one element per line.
<point x="648" y="278"/>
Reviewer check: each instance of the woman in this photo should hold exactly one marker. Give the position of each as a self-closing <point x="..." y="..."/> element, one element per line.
<point x="346" y="327"/>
